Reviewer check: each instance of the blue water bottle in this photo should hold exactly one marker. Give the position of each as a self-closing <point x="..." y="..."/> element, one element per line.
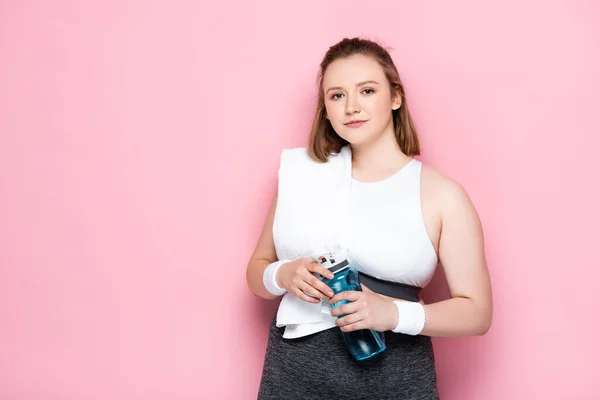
<point x="364" y="343"/>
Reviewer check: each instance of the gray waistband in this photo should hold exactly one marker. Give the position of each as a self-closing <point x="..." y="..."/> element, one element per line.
<point x="386" y="288"/>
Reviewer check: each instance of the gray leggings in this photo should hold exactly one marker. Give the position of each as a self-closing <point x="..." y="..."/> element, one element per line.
<point x="318" y="366"/>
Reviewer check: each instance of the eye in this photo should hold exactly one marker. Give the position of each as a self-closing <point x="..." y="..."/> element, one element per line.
<point x="368" y="91"/>
<point x="336" y="96"/>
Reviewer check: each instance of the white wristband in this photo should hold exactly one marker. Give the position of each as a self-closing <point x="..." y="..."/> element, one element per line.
<point x="411" y="317"/>
<point x="270" y="278"/>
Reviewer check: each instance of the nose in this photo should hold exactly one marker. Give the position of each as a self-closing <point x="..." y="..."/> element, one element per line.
<point x="352" y="105"/>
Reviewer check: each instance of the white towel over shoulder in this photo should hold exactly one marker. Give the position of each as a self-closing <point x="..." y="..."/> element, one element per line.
<point x="311" y="218"/>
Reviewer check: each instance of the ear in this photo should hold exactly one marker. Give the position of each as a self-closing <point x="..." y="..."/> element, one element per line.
<point x="396" y="100"/>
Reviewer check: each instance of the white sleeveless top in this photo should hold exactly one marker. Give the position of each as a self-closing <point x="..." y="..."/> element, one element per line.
<point x="378" y="226"/>
<point x="388" y="238"/>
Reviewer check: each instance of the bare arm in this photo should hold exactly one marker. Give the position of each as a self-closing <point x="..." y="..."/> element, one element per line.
<point x="461" y="249"/>
<point x="264" y="254"/>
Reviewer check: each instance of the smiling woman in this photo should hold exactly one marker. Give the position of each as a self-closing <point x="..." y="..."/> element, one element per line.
<point x="392" y="218"/>
<point x="351" y="105"/>
<point x="359" y="76"/>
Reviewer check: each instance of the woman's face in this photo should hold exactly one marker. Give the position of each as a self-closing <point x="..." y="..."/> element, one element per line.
<point x="358" y="101"/>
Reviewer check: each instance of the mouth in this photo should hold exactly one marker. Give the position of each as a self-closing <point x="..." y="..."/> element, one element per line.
<point x="355" y="123"/>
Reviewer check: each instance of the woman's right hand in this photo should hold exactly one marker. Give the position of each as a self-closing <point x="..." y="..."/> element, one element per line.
<point x="297" y="278"/>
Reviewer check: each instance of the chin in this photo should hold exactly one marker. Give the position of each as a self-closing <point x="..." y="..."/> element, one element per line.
<point x="357" y="137"/>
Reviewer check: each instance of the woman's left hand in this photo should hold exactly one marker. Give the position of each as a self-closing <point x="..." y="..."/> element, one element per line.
<point x="366" y="310"/>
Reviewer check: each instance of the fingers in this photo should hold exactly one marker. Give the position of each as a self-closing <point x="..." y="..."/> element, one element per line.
<point x="299" y="293"/>
<point x="355" y="326"/>
<point x="350" y="319"/>
<point x="314" y="266"/>
<point x="349" y="295"/>
<point x="347" y="308"/>
<point x="305" y="285"/>
<point x="325" y="291"/>
<point x="305" y="281"/>
<point x="311" y="291"/>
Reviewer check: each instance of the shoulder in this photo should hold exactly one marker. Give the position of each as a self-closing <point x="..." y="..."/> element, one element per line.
<point x="447" y="194"/>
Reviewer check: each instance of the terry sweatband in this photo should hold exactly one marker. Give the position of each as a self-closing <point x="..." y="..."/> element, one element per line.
<point x="411" y="317"/>
<point x="270" y="278"/>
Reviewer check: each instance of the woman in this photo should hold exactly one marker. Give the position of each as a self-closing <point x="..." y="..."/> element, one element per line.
<point x="358" y="188"/>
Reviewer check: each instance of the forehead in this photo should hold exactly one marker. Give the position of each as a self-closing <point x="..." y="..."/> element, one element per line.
<point x="349" y="71"/>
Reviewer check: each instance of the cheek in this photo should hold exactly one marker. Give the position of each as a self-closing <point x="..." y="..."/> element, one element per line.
<point x="335" y="113"/>
<point x="382" y="107"/>
<point x="381" y="113"/>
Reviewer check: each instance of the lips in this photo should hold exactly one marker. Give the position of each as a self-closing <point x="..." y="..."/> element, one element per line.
<point x="355" y="123"/>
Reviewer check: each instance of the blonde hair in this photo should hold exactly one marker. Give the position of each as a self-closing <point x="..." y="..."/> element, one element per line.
<point x="323" y="139"/>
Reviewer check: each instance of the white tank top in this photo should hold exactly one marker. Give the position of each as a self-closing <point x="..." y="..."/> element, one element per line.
<point x="381" y="224"/>
<point x="388" y="238"/>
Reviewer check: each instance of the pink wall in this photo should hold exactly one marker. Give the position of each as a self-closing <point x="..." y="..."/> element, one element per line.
<point x="139" y="143"/>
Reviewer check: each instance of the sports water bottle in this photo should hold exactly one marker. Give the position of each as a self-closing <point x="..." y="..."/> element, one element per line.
<point x="364" y="343"/>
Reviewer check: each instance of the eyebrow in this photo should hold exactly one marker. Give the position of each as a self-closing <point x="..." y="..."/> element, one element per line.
<point x="357" y="85"/>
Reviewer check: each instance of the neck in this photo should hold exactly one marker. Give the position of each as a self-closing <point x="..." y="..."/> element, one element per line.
<point x="379" y="155"/>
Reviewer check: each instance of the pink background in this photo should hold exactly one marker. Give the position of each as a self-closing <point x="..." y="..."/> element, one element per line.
<point x="139" y="143"/>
